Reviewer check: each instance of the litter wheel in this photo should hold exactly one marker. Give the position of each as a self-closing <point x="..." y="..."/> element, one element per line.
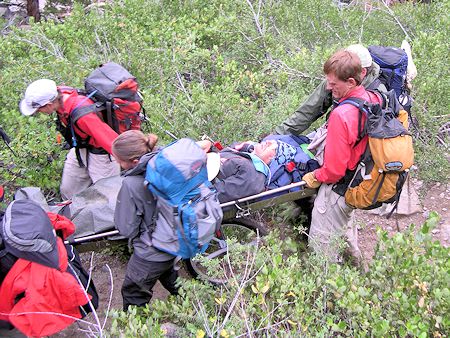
<point x="225" y="255"/>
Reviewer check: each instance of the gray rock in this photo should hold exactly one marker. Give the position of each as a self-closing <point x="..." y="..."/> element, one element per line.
<point x="172" y="331"/>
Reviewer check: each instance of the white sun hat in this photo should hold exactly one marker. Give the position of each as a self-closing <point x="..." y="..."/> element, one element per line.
<point x="38" y="94"/>
<point x="212" y="165"/>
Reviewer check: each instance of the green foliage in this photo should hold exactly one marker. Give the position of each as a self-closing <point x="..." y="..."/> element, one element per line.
<point x="405" y="293"/>
<point x="217" y="67"/>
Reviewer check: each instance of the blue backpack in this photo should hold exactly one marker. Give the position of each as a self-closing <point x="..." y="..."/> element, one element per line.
<point x="188" y="210"/>
<point x="291" y="166"/>
<point x="393" y="63"/>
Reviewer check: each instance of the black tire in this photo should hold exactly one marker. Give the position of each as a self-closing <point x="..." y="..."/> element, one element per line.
<point x="243" y="231"/>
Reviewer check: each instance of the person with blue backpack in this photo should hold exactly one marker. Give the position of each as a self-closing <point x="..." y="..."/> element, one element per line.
<point x="134" y="217"/>
<point x="168" y="205"/>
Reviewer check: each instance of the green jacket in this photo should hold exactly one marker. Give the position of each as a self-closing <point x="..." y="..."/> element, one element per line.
<point x="317" y="104"/>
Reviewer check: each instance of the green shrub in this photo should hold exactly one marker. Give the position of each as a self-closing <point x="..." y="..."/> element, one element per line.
<point x="405" y="293"/>
<point x="216" y="67"/>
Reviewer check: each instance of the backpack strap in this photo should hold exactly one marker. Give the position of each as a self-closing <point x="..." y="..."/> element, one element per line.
<point x="345" y="182"/>
<point x="363" y="109"/>
<point x="78" y="112"/>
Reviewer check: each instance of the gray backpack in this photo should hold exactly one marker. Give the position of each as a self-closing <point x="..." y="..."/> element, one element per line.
<point x="28" y="233"/>
<point x="116" y="95"/>
<point x="189" y="212"/>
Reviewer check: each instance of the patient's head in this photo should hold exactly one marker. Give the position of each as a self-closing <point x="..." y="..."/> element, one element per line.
<point x="129" y="147"/>
<point x="275" y="150"/>
<point x="266" y="150"/>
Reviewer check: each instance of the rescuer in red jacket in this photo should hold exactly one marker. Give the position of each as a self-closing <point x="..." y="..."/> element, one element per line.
<point x="90" y="137"/>
<point x="331" y="216"/>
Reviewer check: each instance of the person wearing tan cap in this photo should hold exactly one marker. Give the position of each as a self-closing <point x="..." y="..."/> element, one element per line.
<point x="89" y="136"/>
<point x="320" y="100"/>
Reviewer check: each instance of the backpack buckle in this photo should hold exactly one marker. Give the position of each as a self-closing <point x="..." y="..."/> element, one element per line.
<point x="290" y="166"/>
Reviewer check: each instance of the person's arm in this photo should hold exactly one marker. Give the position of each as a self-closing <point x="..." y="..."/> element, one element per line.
<point x="102" y="135"/>
<point x="126" y="216"/>
<point x="242" y="182"/>
<point x="316" y="105"/>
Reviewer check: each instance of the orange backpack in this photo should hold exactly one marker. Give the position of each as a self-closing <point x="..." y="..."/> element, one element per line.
<point x="384" y="166"/>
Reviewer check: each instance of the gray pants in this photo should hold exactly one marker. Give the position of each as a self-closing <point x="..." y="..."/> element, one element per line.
<point x="332" y="221"/>
<point x="142" y="276"/>
<point x="75" y="178"/>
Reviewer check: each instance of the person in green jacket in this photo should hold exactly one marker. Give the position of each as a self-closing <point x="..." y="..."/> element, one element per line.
<point x="320" y="100"/>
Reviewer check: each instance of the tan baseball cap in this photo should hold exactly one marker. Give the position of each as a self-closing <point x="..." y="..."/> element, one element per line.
<point x="363" y="54"/>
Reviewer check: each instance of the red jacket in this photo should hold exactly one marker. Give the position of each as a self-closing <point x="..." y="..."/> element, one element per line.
<point x="341" y="153"/>
<point x="101" y="134"/>
<point x="51" y="297"/>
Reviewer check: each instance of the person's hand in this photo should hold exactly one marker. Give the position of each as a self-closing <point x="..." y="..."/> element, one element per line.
<point x="205" y="145"/>
<point x="311" y="180"/>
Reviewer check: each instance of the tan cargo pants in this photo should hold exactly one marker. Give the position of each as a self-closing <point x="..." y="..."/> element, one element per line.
<point x="75" y="178"/>
<point x="333" y="221"/>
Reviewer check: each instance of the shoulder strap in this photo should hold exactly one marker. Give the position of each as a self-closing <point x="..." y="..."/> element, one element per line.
<point x="362" y="108"/>
<point x="79" y="112"/>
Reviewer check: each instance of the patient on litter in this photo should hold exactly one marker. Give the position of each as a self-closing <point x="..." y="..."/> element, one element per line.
<point x="249" y="168"/>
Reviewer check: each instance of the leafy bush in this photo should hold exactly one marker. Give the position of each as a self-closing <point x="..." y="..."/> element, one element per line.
<point x="224" y="68"/>
<point x="288" y="293"/>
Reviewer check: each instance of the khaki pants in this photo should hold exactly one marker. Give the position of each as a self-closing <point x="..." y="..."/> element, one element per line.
<point x="332" y="221"/>
<point x="76" y="179"/>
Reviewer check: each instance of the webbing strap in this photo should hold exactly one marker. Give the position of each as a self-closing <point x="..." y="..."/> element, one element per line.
<point x="109" y="118"/>
<point x="360" y="104"/>
<point x="74" y="116"/>
<point x="377" y="193"/>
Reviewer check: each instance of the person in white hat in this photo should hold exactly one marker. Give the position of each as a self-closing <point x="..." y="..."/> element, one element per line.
<point x="90" y="138"/>
<point x="320" y="100"/>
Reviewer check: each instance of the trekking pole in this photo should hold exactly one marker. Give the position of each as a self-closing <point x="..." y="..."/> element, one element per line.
<point x="6" y="139"/>
<point x="161" y="128"/>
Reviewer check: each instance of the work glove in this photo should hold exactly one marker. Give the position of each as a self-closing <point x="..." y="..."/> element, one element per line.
<point x="311" y="180"/>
